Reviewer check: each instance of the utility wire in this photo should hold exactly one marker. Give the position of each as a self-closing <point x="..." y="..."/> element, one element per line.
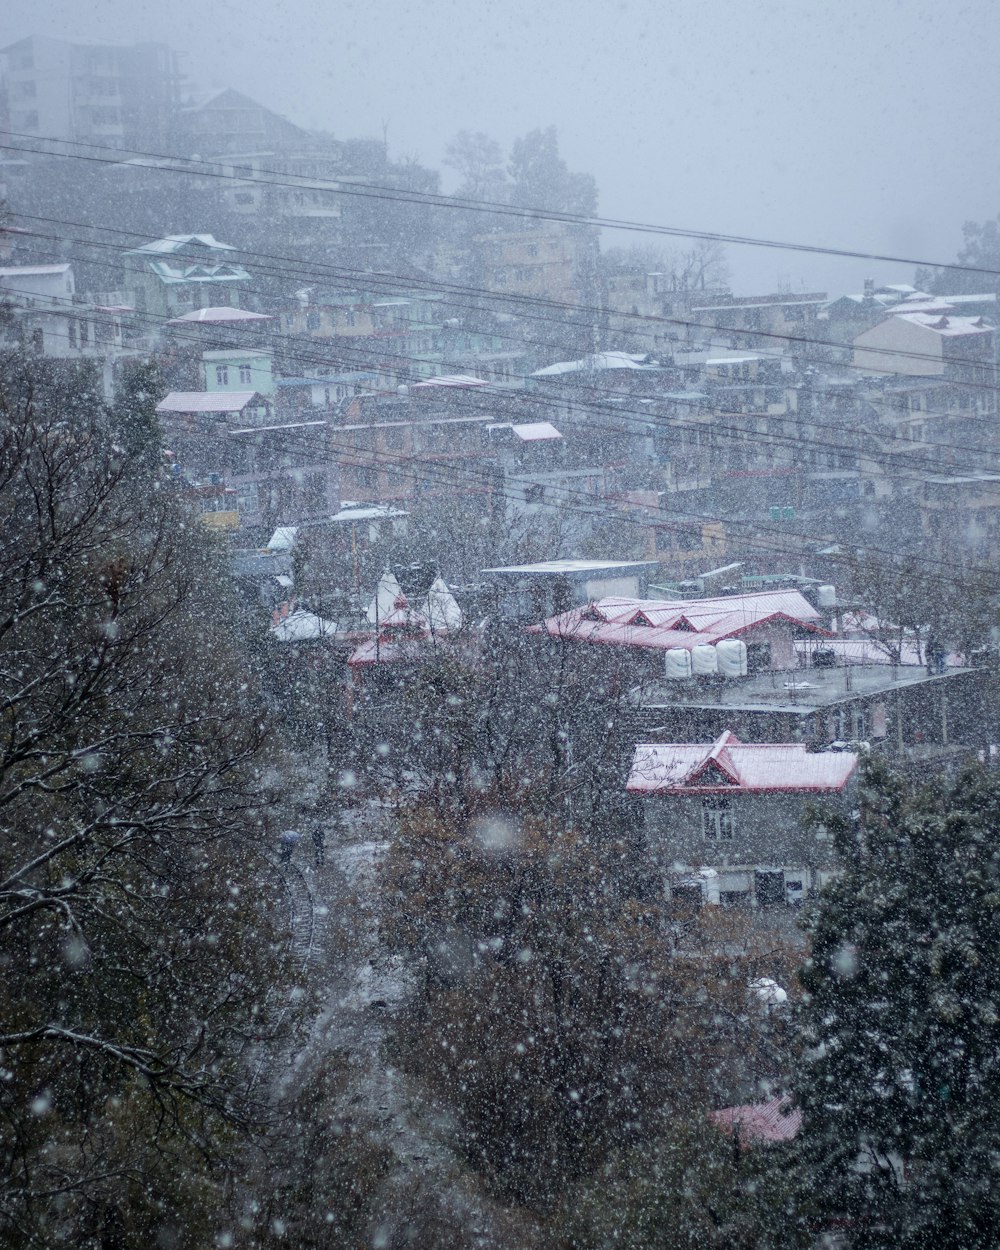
<point x="520" y="339"/>
<point x="210" y="168"/>
<point x="607" y="407"/>
<point x="529" y="301"/>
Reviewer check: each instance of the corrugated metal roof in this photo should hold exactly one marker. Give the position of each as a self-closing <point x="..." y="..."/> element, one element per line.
<point x="207" y="401"/>
<point x="659" y="624"/>
<point x="773" y="1121"/>
<point x="728" y="765"/>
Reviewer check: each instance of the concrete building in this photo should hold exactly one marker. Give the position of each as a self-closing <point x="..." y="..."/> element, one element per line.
<point x="725" y="821"/>
<point x="123" y="97"/>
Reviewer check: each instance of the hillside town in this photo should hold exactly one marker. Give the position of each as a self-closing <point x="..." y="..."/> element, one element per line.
<point x="596" y="616"/>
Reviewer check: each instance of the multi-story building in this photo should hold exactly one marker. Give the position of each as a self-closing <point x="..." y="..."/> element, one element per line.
<point x="125" y="97"/>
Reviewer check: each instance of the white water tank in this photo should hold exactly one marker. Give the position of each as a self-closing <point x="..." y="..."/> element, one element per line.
<point x="732" y="655"/>
<point x="704" y="660"/>
<point x="826" y="596"/>
<point x="678" y="663"/>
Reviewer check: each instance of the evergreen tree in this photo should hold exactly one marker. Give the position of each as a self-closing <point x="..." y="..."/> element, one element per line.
<point x="900" y="1079"/>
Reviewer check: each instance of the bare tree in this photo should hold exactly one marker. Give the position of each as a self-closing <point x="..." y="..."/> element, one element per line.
<point x="136" y="905"/>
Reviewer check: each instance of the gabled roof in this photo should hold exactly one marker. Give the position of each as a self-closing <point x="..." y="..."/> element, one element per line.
<point x="181" y="243"/>
<point x="663" y="623"/>
<point x="170" y="274"/>
<point x="729" y="765"/>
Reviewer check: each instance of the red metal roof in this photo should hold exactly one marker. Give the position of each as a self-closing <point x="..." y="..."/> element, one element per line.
<point x="660" y="624"/>
<point x="774" y="1121"/>
<point x="727" y="766"/>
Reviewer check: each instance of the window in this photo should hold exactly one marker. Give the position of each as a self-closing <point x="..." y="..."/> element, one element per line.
<point x="84" y="333"/>
<point x="717" y="818"/>
<point x="312" y="321"/>
<point x="245" y="374"/>
<point x="222" y="375"/>
<point x="71" y="330"/>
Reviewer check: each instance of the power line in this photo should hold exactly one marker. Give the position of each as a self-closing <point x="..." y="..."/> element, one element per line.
<point x="447" y="476"/>
<point x="609" y="408"/>
<point x="424" y="283"/>
<point x="209" y="168"/>
<point x="520" y="339"/>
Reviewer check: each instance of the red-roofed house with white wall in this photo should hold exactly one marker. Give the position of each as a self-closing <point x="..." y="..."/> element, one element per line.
<point x="727" y="819"/>
<point x="683" y="635"/>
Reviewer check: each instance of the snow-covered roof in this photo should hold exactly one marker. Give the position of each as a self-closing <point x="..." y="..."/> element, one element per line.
<point x="283" y="538"/>
<point x="867" y="650"/>
<point x="235" y="353"/>
<point x="178" y="243"/>
<point x="660" y="624"/>
<point x="774" y="1121"/>
<point x="301" y="625"/>
<point x="218" y="316"/>
<point x="594" y="364"/>
<point x="387" y="593"/>
<point x="441" y="607"/>
<point x="32" y="271"/>
<point x="730" y="766"/>
<point x="570" y="568"/>
<point x="536" y="431"/>
<point x="529" y="431"/>
<point x="402" y="624"/>
<point x="459" y="381"/>
<point x="946" y="326"/>
<point x="171" y="275"/>
<point x="207" y="401"/>
<point x="928" y="305"/>
<point x="369" y="512"/>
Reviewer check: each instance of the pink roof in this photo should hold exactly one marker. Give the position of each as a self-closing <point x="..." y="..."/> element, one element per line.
<point x="218" y="316"/>
<point x="728" y="765"/>
<point x="206" y="401"/>
<point x="773" y="1121"/>
<point x="664" y="623"/>
<point x="402" y="635"/>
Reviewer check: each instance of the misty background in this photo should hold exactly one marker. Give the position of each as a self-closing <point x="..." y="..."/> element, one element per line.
<point x="865" y="126"/>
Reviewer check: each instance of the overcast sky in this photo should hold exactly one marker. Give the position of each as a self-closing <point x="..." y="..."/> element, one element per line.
<point x="870" y="126"/>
